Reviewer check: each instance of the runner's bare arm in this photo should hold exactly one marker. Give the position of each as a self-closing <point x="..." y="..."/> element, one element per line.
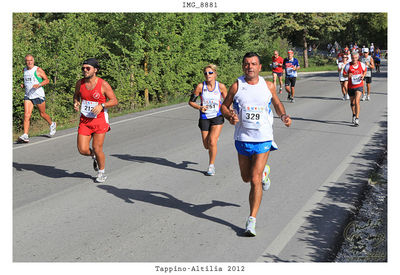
<point x="43" y="75"/>
<point x="279" y="108"/>
<point x="193" y="97"/>
<point x="225" y="108"/>
<point x="77" y="97"/>
<point x="223" y="90"/>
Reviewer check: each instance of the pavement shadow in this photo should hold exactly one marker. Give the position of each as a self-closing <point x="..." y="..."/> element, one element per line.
<point x="166" y="200"/>
<point x="326" y="223"/>
<point x="322" y="233"/>
<point x="320" y="98"/>
<point x="342" y="122"/>
<point x="49" y="171"/>
<point x="160" y="161"/>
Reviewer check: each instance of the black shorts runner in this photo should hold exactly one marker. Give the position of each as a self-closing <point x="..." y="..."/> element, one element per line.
<point x="278" y="74"/>
<point x="352" y="92"/>
<point x="205" y="124"/>
<point x="290" y="81"/>
<point x="368" y="79"/>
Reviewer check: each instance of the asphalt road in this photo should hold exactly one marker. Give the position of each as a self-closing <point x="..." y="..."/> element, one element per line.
<point x="158" y="206"/>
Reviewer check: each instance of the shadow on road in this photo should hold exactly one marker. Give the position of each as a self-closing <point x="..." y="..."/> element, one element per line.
<point x="160" y="161"/>
<point x="346" y="123"/>
<point x="324" y="226"/>
<point x="167" y="200"/>
<point x="49" y="171"/>
<point x="321" y="98"/>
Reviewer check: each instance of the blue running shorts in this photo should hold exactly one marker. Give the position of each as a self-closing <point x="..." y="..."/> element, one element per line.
<point x="252" y="148"/>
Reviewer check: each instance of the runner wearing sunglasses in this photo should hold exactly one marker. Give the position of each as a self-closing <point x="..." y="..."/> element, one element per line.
<point x="90" y="97"/>
<point x="211" y="94"/>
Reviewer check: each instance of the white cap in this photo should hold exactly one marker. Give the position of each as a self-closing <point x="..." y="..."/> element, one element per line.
<point x="365" y="50"/>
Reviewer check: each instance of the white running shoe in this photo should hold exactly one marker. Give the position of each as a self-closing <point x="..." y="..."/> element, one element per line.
<point x="53" y="129"/>
<point x="347" y="96"/>
<point x="24" y="138"/>
<point x="266" y="182"/>
<point x="101" y="177"/>
<point x="251" y="227"/>
<point x="344" y="98"/>
<point x="211" y="170"/>
<point x="353" y="120"/>
<point x="368" y="98"/>
<point x="356" y="122"/>
<point x="363" y="98"/>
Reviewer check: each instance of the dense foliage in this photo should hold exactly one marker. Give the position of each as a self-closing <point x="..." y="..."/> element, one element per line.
<point x="146" y="57"/>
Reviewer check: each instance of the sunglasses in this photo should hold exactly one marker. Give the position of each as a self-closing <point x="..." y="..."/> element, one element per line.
<point x="85" y="69"/>
<point x="206" y="73"/>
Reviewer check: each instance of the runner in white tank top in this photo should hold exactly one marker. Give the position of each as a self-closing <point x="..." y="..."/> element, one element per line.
<point x="34" y="80"/>
<point x="252" y="116"/>
<point x="211" y="120"/>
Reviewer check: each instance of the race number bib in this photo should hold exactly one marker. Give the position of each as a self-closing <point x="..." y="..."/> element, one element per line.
<point x="253" y="117"/>
<point x="212" y="106"/>
<point x="356" y="79"/>
<point x="87" y="107"/>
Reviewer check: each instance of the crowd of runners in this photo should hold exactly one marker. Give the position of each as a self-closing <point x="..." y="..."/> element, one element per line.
<point x="246" y="105"/>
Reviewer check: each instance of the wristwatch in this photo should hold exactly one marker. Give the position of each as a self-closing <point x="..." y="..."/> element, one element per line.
<point x="102" y="105"/>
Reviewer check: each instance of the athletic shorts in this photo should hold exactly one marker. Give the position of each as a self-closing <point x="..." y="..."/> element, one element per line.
<point x="205" y="124"/>
<point x="368" y="79"/>
<point x="352" y="92"/>
<point x="36" y="101"/>
<point x="91" y="126"/>
<point x="290" y="81"/>
<point x="278" y="74"/>
<point x="253" y="148"/>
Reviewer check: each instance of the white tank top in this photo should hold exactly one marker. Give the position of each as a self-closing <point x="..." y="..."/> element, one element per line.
<point x="31" y="78"/>
<point x="252" y="103"/>
<point x="365" y="61"/>
<point x="211" y="99"/>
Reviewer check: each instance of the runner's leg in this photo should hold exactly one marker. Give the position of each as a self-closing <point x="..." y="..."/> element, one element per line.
<point x="28" y="108"/>
<point x="83" y="143"/>
<point x="42" y="111"/>
<point x="258" y="164"/>
<point x="97" y="144"/>
<point x="213" y="136"/>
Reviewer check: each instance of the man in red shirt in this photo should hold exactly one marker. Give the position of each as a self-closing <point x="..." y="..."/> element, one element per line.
<point x="356" y="71"/>
<point x="277" y="69"/>
<point x="90" y="98"/>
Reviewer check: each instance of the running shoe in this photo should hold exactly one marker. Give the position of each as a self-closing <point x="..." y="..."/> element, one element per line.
<point x="251" y="227"/>
<point x="211" y="170"/>
<point x="289" y="97"/>
<point x="353" y="120"/>
<point x="24" y="138"/>
<point x="356" y="122"/>
<point x="53" y="129"/>
<point x="344" y="98"/>
<point x="291" y="100"/>
<point x="363" y="98"/>
<point x="101" y="177"/>
<point x="280" y="90"/>
<point x="266" y="182"/>
<point x="347" y="96"/>
<point x="368" y="98"/>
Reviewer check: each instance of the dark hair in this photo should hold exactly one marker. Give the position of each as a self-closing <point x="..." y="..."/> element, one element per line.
<point x="251" y="54"/>
<point x="92" y="62"/>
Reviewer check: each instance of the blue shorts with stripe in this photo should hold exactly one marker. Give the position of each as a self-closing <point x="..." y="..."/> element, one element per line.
<point x="253" y="148"/>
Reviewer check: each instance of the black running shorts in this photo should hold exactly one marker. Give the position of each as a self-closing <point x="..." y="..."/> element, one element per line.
<point x="205" y="124"/>
<point x="290" y="81"/>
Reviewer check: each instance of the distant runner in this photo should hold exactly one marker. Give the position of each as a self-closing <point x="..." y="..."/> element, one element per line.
<point x="34" y="80"/>
<point x="277" y="70"/>
<point x="252" y="116"/>
<point x="211" y="93"/>
<point x="377" y="60"/>
<point x="369" y="63"/>
<point x="355" y="71"/>
<point x="291" y="66"/>
<point x="343" y="80"/>
<point x="90" y="97"/>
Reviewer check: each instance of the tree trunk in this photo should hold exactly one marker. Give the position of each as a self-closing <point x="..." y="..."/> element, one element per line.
<point x="146" y="90"/>
<point x="305" y="53"/>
